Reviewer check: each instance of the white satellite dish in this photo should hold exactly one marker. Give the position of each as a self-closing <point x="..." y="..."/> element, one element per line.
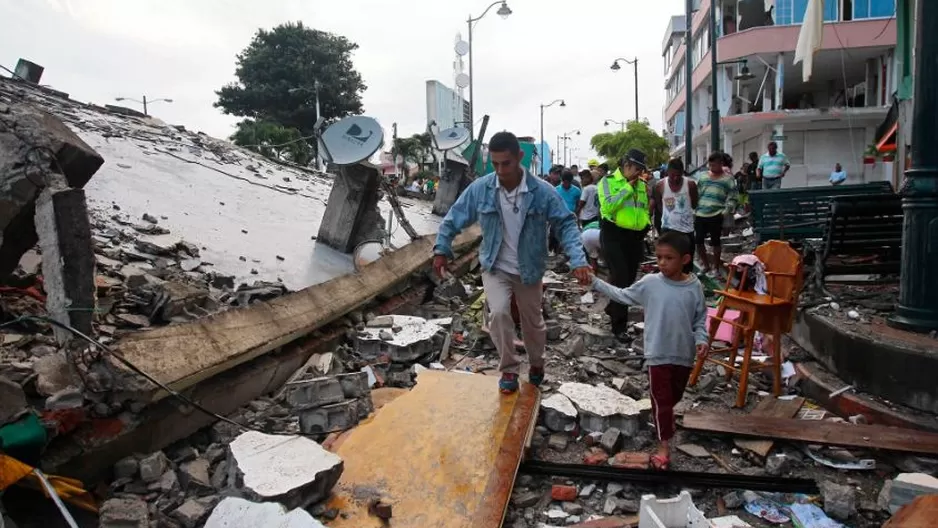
<point x="451" y="138"/>
<point x="462" y="80"/>
<point x="366" y="253"/>
<point x="351" y="140"/>
<point x="462" y="48"/>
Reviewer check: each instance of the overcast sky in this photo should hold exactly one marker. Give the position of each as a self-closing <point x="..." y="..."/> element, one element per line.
<point x="97" y="50"/>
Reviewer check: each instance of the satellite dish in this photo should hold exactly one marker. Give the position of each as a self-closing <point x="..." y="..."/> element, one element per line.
<point x="451" y="138"/>
<point x="351" y="140"/>
<point x="462" y="48"/>
<point x="366" y="253"/>
<point x="462" y="80"/>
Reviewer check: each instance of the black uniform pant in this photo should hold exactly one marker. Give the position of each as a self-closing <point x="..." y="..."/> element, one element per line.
<point x="623" y="251"/>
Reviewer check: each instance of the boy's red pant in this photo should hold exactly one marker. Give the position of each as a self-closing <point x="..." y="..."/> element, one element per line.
<point x="667" y="384"/>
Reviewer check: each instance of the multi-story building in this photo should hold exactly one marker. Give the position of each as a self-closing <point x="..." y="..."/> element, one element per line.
<point x="831" y="118"/>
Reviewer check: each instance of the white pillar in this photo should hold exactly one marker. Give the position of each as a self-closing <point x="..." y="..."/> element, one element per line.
<point x="779" y="81"/>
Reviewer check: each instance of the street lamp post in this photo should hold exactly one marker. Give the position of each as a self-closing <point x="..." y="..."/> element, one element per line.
<point x="634" y="63"/>
<point x="543" y="106"/>
<point x="144" y="102"/>
<point x="917" y="308"/>
<point x="620" y="123"/>
<point x="318" y="113"/>
<point x="566" y="137"/>
<point x="503" y="12"/>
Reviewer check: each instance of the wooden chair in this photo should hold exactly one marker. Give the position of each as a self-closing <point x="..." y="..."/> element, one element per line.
<point x="772" y="314"/>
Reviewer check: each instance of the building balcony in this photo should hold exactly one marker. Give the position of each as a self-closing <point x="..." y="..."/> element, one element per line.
<point x="845" y="46"/>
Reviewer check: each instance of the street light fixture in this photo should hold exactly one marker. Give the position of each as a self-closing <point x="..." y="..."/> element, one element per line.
<point x="543" y="106"/>
<point x="634" y="62"/>
<point x="503" y="11"/>
<point x="566" y="137"/>
<point x="620" y="123"/>
<point x="144" y="102"/>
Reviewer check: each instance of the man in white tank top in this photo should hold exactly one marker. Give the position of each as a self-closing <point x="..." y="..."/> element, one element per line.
<point x="675" y="201"/>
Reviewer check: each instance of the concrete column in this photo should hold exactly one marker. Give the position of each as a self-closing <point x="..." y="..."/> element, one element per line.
<point x="352" y="214"/>
<point x="42" y="152"/>
<point x="67" y="259"/>
<point x="779" y="82"/>
<point x="451" y="185"/>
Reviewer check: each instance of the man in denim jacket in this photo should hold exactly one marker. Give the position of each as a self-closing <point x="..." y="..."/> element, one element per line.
<point x="515" y="210"/>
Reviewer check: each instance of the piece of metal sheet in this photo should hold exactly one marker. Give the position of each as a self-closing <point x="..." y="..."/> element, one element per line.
<point x="444" y="454"/>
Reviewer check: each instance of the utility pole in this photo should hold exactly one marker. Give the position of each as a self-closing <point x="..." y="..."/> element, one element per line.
<point x="689" y="84"/>
<point x="918" y="285"/>
<point x="714" y="100"/>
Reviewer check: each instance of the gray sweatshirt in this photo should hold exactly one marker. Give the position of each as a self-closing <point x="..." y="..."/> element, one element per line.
<point x="675" y="316"/>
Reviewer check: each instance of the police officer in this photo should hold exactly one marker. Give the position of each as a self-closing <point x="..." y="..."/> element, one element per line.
<point x="624" y="204"/>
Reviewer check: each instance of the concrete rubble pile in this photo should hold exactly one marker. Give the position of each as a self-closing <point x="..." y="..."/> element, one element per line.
<point x="226" y="472"/>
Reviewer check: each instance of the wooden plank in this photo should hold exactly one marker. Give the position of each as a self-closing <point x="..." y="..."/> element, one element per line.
<point x="920" y="513"/>
<point x="444" y="454"/>
<point x="832" y="433"/>
<point x="182" y="355"/>
<point x="769" y="407"/>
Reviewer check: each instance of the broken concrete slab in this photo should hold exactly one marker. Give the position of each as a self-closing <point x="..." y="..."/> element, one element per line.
<point x="292" y="470"/>
<point x="840" y="501"/>
<point x="314" y="392"/>
<point x="55" y="373"/>
<point x="12" y="400"/>
<point x="596" y="338"/>
<point x="602" y="407"/>
<point x="412" y="338"/>
<point x="64" y="231"/>
<point x="153" y="466"/>
<point x="193" y="512"/>
<point x="124" y="513"/>
<point x="26" y="159"/>
<point x="194" y="477"/>
<point x="330" y="418"/>
<point x="181" y="355"/>
<point x="234" y="512"/>
<point x="558" y="413"/>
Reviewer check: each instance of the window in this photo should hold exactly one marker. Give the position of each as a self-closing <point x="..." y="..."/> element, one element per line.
<point x="789" y="12"/>
<point x="873" y="8"/>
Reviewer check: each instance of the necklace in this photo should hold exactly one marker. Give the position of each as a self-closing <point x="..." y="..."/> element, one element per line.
<point x="512" y="201"/>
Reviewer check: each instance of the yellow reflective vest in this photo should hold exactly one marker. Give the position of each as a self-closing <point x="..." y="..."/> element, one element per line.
<point x="622" y="203"/>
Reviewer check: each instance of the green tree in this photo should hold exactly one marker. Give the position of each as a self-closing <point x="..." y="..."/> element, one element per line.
<point x="417" y="149"/>
<point x="278" y="74"/>
<point x="637" y="135"/>
<point x="273" y="141"/>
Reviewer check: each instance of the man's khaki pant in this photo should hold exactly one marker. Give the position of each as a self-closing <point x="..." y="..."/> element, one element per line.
<point x="499" y="287"/>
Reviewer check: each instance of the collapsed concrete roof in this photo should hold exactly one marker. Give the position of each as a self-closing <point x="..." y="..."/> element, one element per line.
<point x="249" y="213"/>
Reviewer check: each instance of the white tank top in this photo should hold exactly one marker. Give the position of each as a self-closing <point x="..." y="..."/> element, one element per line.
<point x="676" y="211"/>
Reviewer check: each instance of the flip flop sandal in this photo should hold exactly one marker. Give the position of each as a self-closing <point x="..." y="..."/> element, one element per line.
<point x="660" y="463"/>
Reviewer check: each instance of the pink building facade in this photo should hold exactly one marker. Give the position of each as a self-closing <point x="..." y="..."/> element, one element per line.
<point x="829" y="119"/>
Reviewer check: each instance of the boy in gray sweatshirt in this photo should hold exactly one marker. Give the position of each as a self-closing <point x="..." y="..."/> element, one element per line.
<point x="675" y="328"/>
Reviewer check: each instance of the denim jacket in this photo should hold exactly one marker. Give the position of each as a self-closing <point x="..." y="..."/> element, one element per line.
<point x="543" y="209"/>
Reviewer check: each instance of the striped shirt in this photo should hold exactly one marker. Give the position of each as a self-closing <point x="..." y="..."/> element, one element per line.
<point x="773" y="166"/>
<point x="717" y="195"/>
